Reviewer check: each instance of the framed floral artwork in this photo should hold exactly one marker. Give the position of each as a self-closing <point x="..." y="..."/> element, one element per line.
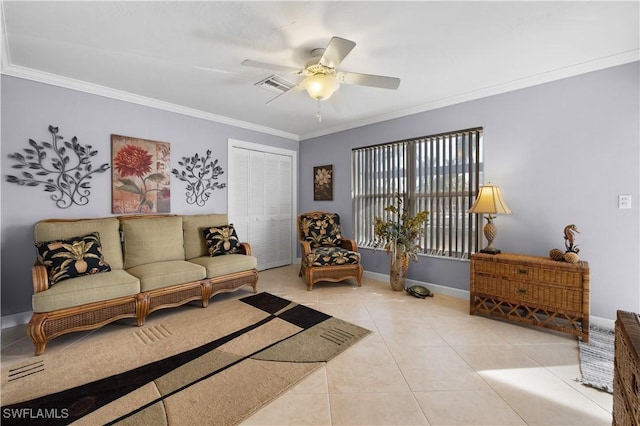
<point x="323" y="183"/>
<point x="141" y="176"/>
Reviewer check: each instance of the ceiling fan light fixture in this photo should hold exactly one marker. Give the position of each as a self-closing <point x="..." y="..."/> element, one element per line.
<point x="320" y="86"/>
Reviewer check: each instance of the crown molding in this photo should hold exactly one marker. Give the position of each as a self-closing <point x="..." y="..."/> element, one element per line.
<point x="534" y="80"/>
<point x="94" y="89"/>
<point x="523" y="83"/>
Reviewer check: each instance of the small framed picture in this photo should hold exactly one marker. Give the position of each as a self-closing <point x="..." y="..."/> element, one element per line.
<point x="323" y="183"/>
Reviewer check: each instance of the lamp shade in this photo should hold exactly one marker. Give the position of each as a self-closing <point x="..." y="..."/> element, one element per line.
<point x="490" y="201"/>
<point x="320" y="86"/>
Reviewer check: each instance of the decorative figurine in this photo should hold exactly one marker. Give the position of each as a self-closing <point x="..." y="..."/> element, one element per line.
<point x="570" y="255"/>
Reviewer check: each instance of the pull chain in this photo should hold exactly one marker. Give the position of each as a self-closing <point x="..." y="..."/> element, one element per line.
<point x="318" y="115"/>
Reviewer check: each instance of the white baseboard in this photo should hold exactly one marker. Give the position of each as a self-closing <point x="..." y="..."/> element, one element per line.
<point x="16" y="319"/>
<point x="604" y="323"/>
<point x="448" y="291"/>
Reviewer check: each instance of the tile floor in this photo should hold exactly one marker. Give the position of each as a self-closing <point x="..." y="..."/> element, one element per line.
<point x="428" y="362"/>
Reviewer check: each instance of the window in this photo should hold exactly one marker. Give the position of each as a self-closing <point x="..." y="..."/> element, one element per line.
<point x="439" y="173"/>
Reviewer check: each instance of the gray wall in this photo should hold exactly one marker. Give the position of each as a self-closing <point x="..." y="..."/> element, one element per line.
<point x="27" y="110"/>
<point x="561" y="152"/>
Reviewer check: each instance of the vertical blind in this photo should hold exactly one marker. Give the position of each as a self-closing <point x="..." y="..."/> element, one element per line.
<point x="439" y="173"/>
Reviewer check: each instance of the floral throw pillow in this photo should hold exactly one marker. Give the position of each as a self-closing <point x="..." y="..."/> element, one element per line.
<point x="72" y="257"/>
<point x="221" y="240"/>
<point x="321" y="230"/>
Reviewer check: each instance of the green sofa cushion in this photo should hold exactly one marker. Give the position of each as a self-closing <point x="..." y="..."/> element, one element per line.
<point x="222" y="265"/>
<point x="86" y="289"/>
<point x="108" y="228"/>
<point x="166" y="274"/>
<point x="151" y="240"/>
<point x="192" y="225"/>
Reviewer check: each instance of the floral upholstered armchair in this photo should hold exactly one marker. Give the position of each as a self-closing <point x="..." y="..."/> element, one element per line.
<point x="326" y="254"/>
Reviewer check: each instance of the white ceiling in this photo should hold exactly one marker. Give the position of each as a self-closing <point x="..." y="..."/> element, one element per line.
<point x="186" y="56"/>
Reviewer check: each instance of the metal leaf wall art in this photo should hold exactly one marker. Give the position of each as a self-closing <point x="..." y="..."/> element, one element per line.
<point x="63" y="167"/>
<point x="201" y="174"/>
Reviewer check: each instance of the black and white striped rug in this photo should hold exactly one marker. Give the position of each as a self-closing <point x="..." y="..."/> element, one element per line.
<point x="596" y="359"/>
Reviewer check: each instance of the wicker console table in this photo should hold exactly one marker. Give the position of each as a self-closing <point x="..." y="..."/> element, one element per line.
<point x="532" y="290"/>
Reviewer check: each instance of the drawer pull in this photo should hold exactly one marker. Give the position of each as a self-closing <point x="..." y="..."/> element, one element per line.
<point x="521" y="291"/>
<point x="521" y="271"/>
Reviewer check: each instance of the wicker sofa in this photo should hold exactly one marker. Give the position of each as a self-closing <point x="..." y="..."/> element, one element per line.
<point x="130" y="266"/>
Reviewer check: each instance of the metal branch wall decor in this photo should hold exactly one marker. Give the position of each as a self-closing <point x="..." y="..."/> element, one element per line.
<point x="201" y="174"/>
<point x="66" y="162"/>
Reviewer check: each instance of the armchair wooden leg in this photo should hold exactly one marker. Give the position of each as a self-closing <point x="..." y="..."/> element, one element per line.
<point x="35" y="330"/>
<point x="309" y="278"/>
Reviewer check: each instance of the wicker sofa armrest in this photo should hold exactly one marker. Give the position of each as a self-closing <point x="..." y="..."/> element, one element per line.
<point x="349" y="244"/>
<point x="39" y="277"/>
<point x="245" y="248"/>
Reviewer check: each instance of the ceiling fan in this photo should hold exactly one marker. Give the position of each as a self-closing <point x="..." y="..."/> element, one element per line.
<point x="321" y="77"/>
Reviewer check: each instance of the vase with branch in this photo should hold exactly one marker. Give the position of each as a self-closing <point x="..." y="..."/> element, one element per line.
<point x="398" y="233"/>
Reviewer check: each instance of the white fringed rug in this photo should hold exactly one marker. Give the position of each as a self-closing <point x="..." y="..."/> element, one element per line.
<point x="596" y="359"/>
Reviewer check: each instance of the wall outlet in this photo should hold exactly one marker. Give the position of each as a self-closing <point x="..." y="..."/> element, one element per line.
<point x="624" y="201"/>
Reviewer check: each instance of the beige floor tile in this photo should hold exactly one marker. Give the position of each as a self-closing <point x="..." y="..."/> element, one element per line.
<point x="538" y="378"/>
<point x="516" y="333"/>
<point x="367" y="366"/>
<point x="408" y="332"/>
<point x="376" y="409"/>
<point x="469" y="407"/>
<point x="425" y="361"/>
<point x="494" y="357"/>
<point x="571" y="375"/>
<point x="297" y="409"/>
<point x="345" y="311"/>
<point x="552" y="354"/>
<point x="468" y="330"/>
<point x="558" y="407"/>
<point x="436" y="368"/>
<point x="316" y="382"/>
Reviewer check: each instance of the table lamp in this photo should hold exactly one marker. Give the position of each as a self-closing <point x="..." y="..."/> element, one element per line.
<point x="490" y="201"/>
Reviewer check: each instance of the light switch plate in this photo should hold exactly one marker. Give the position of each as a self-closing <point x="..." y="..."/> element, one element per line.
<point x="624" y="201"/>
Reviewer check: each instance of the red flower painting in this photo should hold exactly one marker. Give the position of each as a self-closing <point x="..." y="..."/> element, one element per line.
<point x="132" y="160"/>
<point x="141" y="182"/>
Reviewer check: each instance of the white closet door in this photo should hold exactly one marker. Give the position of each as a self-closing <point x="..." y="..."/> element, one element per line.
<point x="260" y="202"/>
<point x="280" y="208"/>
<point x="238" y="198"/>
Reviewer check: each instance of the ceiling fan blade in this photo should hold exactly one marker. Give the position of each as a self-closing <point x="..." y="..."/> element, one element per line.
<point x="335" y="52"/>
<point x="368" y="80"/>
<point x="272" y="67"/>
<point x="211" y="69"/>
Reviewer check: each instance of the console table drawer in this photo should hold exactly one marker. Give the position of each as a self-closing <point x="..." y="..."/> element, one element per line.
<point x="515" y="268"/>
<point x="565" y="298"/>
